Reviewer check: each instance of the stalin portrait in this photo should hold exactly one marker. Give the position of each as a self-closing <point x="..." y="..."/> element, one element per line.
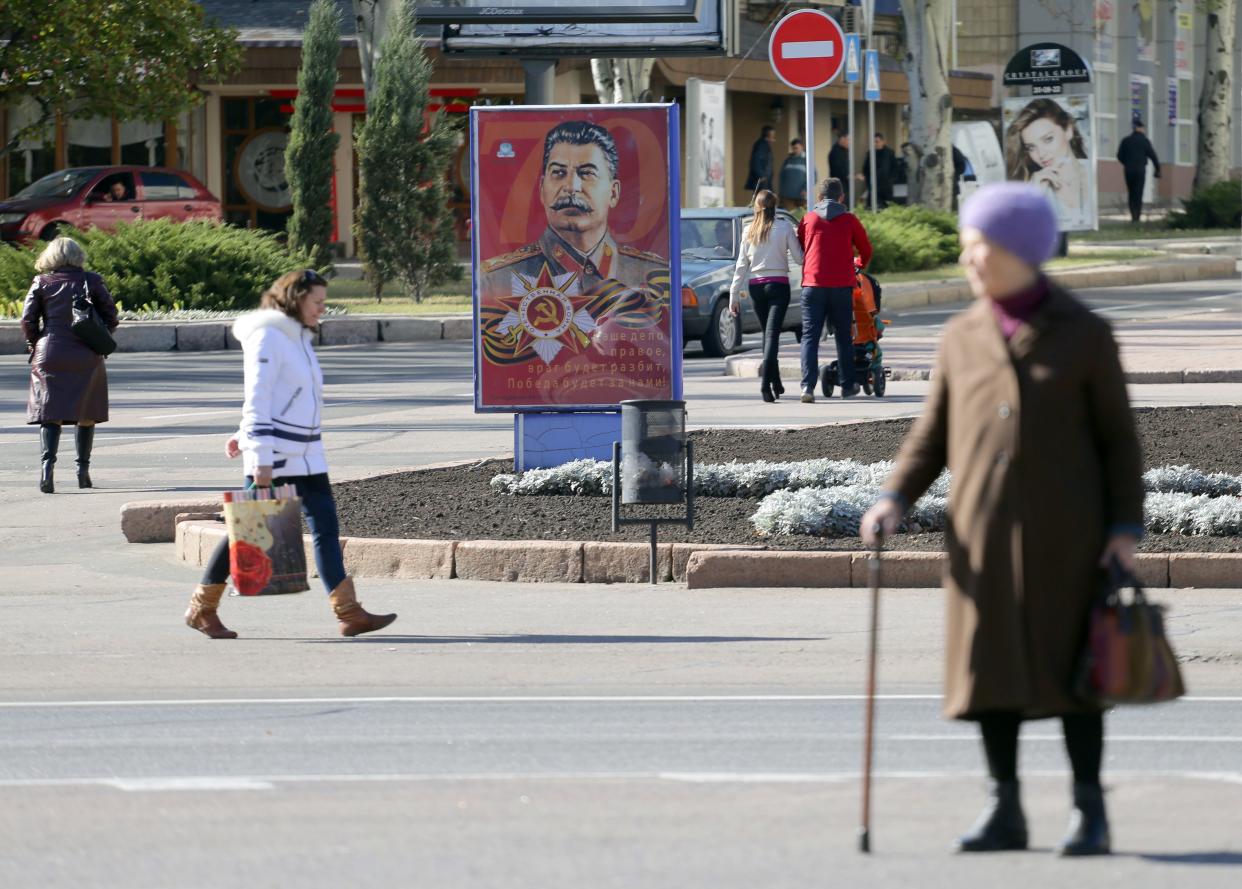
<point x="578" y="188"/>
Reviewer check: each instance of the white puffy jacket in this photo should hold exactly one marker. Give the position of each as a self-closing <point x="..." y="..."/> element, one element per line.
<point x="283" y="410"/>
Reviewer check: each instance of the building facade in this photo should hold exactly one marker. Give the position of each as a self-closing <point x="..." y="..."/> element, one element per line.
<point x="233" y="140"/>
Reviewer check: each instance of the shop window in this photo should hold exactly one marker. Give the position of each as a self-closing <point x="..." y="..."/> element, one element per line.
<point x="256" y="193"/>
<point x="89" y="142"/>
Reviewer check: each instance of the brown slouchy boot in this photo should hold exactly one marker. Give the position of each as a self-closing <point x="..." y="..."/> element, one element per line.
<point x="354" y="619"/>
<point x="201" y="615"/>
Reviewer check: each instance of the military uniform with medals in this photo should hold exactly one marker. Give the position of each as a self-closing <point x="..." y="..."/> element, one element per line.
<point x="637" y="269"/>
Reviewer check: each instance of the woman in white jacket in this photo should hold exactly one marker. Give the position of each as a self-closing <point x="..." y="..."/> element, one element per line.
<point x="768" y="245"/>
<point x="280" y="442"/>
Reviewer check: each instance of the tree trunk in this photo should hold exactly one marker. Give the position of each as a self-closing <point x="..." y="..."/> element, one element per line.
<point x="621" y="80"/>
<point x="1215" y="155"/>
<point x="928" y="33"/>
<point x="371" y="20"/>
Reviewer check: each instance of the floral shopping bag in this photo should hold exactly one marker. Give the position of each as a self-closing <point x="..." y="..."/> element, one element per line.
<point x="266" y="556"/>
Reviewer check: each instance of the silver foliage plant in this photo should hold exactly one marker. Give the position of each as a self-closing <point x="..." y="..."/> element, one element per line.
<point x="837" y="512"/>
<point x="733" y="479"/>
<point x="762" y="477"/>
<point x="1186" y="480"/>
<point x="1199" y="515"/>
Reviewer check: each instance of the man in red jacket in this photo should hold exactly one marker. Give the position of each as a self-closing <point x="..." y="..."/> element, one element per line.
<point x="830" y="236"/>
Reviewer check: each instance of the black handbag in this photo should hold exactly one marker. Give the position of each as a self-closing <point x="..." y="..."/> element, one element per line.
<point x="88" y="326"/>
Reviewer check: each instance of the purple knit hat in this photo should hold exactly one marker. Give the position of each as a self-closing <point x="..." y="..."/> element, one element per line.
<point x="1016" y="216"/>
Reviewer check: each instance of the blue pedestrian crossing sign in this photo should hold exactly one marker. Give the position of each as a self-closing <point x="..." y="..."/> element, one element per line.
<point x="853" y="49"/>
<point x="871" y="84"/>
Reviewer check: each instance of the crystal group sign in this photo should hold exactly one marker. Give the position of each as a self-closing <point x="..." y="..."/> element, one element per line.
<point x="1045" y="67"/>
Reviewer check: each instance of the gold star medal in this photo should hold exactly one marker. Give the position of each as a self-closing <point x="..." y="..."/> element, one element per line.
<point x="544" y="309"/>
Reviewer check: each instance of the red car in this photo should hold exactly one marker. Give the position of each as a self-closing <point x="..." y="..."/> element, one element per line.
<point x="101" y="197"/>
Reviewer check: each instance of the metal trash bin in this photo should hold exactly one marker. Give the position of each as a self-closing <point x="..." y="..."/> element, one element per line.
<point x="653" y="452"/>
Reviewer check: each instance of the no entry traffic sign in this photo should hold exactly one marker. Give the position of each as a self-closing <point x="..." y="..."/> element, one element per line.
<point x="807" y="49"/>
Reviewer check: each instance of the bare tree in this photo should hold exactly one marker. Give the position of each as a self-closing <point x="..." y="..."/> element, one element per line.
<point x="1215" y="155"/>
<point x="621" y="80"/>
<point x="928" y="33"/>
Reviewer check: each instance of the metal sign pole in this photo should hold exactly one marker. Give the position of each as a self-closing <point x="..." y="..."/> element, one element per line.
<point x="849" y="128"/>
<point x="871" y="132"/>
<point x="808" y="99"/>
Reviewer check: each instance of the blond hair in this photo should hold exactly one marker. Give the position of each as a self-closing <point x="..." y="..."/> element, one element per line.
<point x="62" y="253"/>
<point x="765" y="214"/>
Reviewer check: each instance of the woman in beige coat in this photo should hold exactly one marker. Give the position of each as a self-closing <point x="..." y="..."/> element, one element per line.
<point x="1028" y="410"/>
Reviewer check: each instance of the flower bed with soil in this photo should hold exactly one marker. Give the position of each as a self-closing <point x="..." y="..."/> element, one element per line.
<point x="461" y="503"/>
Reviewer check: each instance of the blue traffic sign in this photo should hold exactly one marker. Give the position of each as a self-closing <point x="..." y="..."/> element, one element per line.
<point x="871" y="84"/>
<point x="853" y="50"/>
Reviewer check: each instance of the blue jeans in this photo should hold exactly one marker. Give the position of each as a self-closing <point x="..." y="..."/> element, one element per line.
<point x="836" y="304"/>
<point x="320" y="511"/>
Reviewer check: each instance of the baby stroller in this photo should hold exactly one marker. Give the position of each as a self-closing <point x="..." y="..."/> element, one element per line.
<point x="869" y="369"/>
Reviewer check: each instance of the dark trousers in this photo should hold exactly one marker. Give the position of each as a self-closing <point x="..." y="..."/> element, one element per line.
<point x="836" y="305"/>
<point x="1135" y="180"/>
<point x="771" y="301"/>
<point x="1084" y="742"/>
<point x="320" y="511"/>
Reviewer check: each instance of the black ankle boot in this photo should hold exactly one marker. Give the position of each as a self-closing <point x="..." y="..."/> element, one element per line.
<point x="85" y="440"/>
<point x="1088" y="827"/>
<point x="765" y="381"/>
<point x="777" y="387"/>
<point x="1002" y="825"/>
<point x="49" y="440"/>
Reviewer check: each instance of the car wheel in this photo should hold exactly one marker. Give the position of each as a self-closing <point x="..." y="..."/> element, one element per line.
<point x="724" y="332"/>
<point x="50" y="232"/>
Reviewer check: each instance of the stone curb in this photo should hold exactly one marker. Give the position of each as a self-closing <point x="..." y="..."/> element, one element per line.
<point x="217" y="336"/>
<point x="745" y="366"/>
<point x="699" y="566"/>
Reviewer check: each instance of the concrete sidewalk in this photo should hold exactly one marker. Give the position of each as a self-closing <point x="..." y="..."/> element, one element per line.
<point x="1204" y="348"/>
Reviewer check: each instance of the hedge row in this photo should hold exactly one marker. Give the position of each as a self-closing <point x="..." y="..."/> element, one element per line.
<point x="162" y="265"/>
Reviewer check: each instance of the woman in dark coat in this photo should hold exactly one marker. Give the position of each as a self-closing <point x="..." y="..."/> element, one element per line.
<point x="68" y="382"/>
<point x="1028" y="410"/>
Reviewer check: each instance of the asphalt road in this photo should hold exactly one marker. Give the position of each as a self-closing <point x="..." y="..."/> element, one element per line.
<point x="513" y="735"/>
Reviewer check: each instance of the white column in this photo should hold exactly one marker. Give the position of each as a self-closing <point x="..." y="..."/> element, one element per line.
<point x="214" y="147"/>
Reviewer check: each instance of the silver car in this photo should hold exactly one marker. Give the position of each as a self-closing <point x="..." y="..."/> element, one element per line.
<point x="709" y="244"/>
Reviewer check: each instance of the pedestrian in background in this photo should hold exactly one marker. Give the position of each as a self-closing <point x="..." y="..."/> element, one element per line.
<point x="839" y="159"/>
<point x="793" y="177"/>
<point x="1133" y="153"/>
<point x="769" y="244"/>
<point x="830" y="236"/>
<point x="885" y="171"/>
<point x="1028" y="410"/>
<point x="280" y="441"/>
<point x="68" y="380"/>
<point x="762" y="161"/>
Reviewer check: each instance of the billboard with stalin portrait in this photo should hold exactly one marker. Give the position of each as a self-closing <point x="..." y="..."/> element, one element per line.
<point x="574" y="256"/>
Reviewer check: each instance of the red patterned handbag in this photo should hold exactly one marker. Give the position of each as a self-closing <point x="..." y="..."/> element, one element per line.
<point x="1128" y="658"/>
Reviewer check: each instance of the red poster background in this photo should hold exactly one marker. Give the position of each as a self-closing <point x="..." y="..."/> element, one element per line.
<point x="620" y="362"/>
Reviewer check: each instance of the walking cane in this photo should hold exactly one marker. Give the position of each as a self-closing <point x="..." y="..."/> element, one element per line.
<point x="873" y="563"/>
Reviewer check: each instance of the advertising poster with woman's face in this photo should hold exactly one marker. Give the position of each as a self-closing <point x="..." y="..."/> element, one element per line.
<point x="572" y="236"/>
<point x="1049" y="143"/>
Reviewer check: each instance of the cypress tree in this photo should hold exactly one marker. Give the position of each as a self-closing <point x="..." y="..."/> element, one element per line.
<point x="312" y="145"/>
<point x="405" y="228"/>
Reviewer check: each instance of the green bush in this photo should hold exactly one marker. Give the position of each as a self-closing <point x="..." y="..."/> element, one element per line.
<point x="910" y="239"/>
<point x="1217" y="206"/>
<point x="168" y="265"/>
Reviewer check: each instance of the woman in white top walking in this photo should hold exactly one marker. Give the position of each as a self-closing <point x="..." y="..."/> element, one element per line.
<point x="768" y="245"/>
